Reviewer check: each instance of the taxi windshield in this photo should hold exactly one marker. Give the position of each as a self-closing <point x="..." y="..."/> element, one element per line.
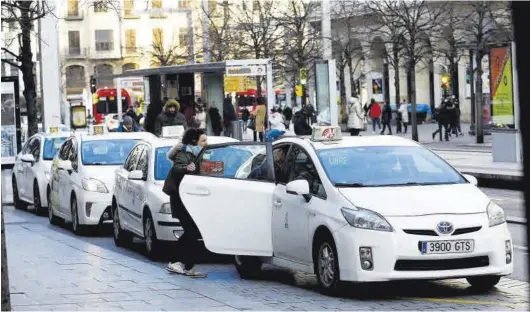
<point x="371" y="166"/>
<point x="106" y="152"/>
<point x="51" y="146"/>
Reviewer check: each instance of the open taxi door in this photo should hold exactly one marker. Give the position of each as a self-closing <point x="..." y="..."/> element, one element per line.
<point x="233" y="211"/>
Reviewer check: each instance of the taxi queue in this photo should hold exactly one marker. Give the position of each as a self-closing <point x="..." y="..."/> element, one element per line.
<point x="353" y="209"/>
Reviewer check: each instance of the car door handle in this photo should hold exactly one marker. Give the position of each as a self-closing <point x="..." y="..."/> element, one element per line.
<point x="199" y="192"/>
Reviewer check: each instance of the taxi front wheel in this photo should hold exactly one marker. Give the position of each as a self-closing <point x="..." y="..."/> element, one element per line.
<point x="483" y="283"/>
<point x="19" y="204"/>
<point x="326" y="263"/>
<point x="247" y="267"/>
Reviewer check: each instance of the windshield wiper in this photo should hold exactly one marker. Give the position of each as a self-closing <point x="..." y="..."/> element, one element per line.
<point x="97" y="164"/>
<point x="349" y="185"/>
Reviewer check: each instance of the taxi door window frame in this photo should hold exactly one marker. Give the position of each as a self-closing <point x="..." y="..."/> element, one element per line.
<point x="34" y="148"/>
<point x="285" y="165"/>
<point x="291" y="168"/>
<point x="65" y="150"/>
<point x="268" y="158"/>
<point x="73" y="154"/>
<point x="138" y="149"/>
<point x="146" y="165"/>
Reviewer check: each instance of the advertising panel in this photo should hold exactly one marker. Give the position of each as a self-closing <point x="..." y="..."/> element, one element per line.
<point x="501" y="85"/>
<point x="9" y="127"/>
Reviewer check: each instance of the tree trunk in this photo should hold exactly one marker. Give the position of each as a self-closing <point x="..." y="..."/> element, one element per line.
<point x="413" y="120"/>
<point x="396" y="76"/>
<point x="479" y="120"/>
<point x="353" y="85"/>
<point x="6" y="297"/>
<point x="26" y="60"/>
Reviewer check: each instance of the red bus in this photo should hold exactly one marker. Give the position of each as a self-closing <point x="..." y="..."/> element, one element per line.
<point x="106" y="103"/>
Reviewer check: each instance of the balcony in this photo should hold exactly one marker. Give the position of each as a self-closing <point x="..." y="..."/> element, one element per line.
<point x="75" y="53"/>
<point x="74" y="15"/>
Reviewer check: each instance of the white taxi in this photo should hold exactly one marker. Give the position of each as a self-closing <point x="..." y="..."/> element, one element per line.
<point x="31" y="173"/>
<point x="360" y="209"/>
<point x="82" y="179"/>
<point x="139" y="207"/>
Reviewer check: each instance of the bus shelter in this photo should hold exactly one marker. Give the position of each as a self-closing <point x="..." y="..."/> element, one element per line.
<point x="183" y="78"/>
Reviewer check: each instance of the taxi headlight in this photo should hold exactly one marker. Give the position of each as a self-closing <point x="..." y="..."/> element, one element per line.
<point x="495" y="214"/>
<point x="366" y="219"/>
<point x="166" y="208"/>
<point x="94" y="185"/>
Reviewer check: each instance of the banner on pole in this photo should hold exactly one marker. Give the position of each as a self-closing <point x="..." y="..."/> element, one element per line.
<point x="501" y="85"/>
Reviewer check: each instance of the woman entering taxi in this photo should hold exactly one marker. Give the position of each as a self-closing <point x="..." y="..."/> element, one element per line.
<point x="183" y="156"/>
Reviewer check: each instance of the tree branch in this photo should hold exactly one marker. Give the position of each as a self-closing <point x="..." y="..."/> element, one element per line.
<point x="11" y="63"/>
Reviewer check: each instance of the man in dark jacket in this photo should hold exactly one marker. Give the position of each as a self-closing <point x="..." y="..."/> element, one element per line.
<point x="184" y="156"/>
<point x="229" y="115"/>
<point x="170" y="116"/>
<point x="387" y="117"/>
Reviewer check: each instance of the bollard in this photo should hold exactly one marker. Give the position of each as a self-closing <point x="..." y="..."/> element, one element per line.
<point x="237" y="129"/>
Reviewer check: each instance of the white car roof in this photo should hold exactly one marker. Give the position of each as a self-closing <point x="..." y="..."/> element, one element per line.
<point x="162" y="142"/>
<point x="358" y="141"/>
<point x="52" y="135"/>
<point x="115" y="135"/>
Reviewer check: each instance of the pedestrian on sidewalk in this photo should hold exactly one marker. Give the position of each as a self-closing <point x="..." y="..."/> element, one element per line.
<point x="442" y="117"/>
<point x="404" y="111"/>
<point x="183" y="156"/>
<point x="399" y="116"/>
<point x="355" y="116"/>
<point x="260" y="114"/>
<point x="387" y="117"/>
<point x="245" y="115"/>
<point x="374" y="111"/>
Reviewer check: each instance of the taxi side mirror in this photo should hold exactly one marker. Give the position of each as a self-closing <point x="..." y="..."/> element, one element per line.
<point x="27" y="158"/>
<point x="136" y="175"/>
<point x="299" y="187"/>
<point x="471" y="179"/>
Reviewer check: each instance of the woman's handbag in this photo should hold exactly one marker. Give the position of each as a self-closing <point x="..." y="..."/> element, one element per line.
<point x="252" y="123"/>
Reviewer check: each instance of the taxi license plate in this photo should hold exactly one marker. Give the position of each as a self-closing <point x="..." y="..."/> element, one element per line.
<point x="443" y="247"/>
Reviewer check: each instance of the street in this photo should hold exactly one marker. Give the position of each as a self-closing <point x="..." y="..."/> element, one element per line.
<point x="51" y="268"/>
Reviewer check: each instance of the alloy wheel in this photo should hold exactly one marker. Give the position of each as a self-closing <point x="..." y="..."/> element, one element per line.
<point x="74" y="215"/>
<point x="149" y="234"/>
<point x="36" y="199"/>
<point x="326" y="265"/>
<point x="116" y="224"/>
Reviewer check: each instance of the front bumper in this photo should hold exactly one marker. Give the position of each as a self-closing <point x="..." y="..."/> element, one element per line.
<point x="167" y="228"/>
<point x="396" y="255"/>
<point x="94" y="208"/>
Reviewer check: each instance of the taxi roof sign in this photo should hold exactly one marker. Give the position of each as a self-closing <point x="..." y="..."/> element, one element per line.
<point x="97" y="129"/>
<point x="172" y="131"/>
<point x="326" y="133"/>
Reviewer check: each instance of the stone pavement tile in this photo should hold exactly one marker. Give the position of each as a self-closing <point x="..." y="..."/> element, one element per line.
<point x="30" y="308"/>
<point x="64" y="307"/>
<point x="179" y="293"/>
<point x="100" y="306"/>
<point x="137" y="305"/>
<point x="22" y="299"/>
<point x="161" y="286"/>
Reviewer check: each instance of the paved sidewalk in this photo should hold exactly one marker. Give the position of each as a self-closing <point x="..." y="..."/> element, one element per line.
<point x="50" y="269"/>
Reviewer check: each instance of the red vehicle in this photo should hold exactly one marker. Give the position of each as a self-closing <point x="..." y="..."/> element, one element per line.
<point x="106" y="103"/>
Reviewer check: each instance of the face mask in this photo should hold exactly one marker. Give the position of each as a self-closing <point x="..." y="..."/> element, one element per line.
<point x="195" y="150"/>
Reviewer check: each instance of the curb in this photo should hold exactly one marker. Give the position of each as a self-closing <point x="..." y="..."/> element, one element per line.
<point x="514" y="287"/>
<point x="516" y="220"/>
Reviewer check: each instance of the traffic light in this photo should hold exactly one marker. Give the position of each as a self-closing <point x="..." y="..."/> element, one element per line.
<point x="93" y="84"/>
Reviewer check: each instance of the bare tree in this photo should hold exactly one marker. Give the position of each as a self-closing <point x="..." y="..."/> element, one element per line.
<point x="6" y="298"/>
<point x="258" y="31"/>
<point x="346" y="41"/>
<point x="220" y="32"/>
<point x="487" y="23"/>
<point x="300" y="43"/>
<point x="166" y="55"/>
<point x="451" y="40"/>
<point x="417" y="20"/>
<point x="24" y="14"/>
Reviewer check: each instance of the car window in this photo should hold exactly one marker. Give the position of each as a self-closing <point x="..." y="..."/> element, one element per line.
<point x="73" y="154"/>
<point x="301" y="167"/>
<point x="386" y="165"/>
<point x="51" y="147"/>
<point x="106" y="152"/>
<point x="65" y="150"/>
<point x="143" y="162"/>
<point x="162" y="163"/>
<point x="34" y="148"/>
<point x="26" y="148"/>
<point x="132" y="159"/>
<point x="279" y="155"/>
<point x="234" y="161"/>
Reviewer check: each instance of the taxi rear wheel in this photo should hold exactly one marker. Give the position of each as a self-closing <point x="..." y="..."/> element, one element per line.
<point x="152" y="244"/>
<point x="326" y="263"/>
<point x="483" y="283"/>
<point x="121" y="237"/>
<point x="16" y="199"/>
<point x="248" y="267"/>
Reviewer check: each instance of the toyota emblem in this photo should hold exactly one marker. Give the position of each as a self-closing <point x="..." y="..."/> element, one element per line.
<point x="445" y="228"/>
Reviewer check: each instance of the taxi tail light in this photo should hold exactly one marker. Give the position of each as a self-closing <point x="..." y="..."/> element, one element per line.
<point x="367" y="262"/>
<point x="88" y="209"/>
<point x="508" y="247"/>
